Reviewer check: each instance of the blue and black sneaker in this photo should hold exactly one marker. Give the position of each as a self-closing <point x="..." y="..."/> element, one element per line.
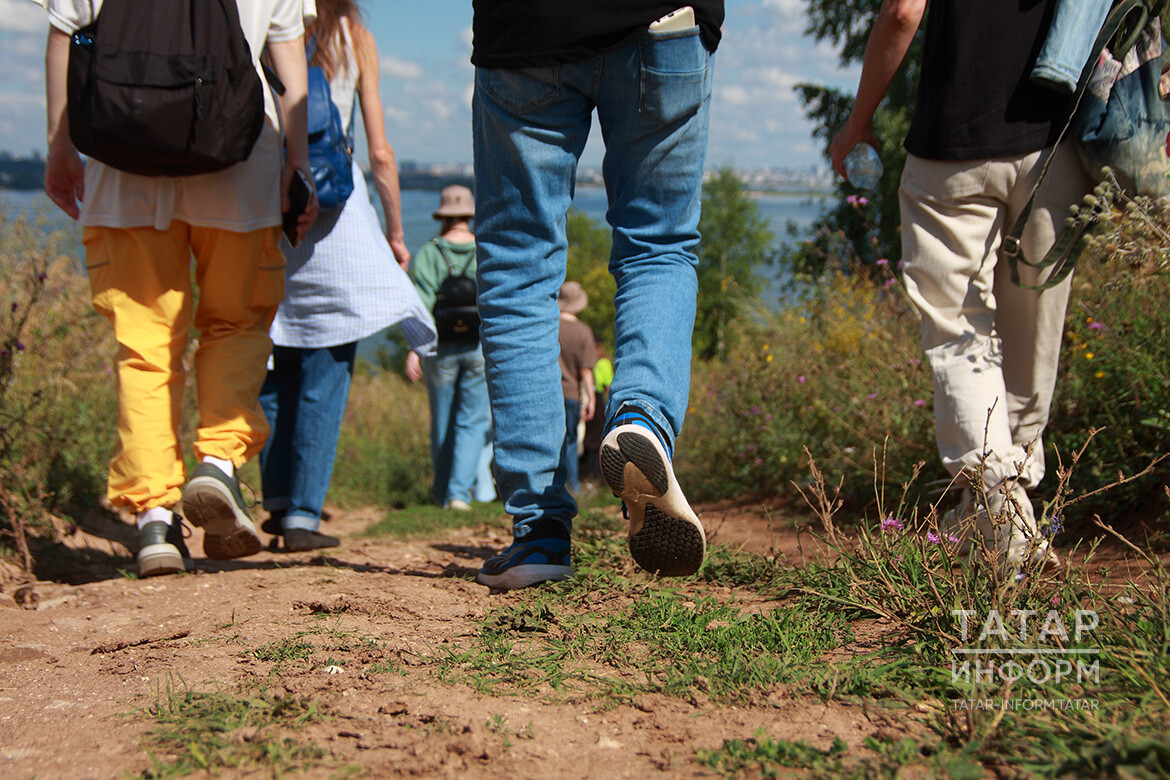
<point x="665" y="534"/>
<point x="527" y="562"/>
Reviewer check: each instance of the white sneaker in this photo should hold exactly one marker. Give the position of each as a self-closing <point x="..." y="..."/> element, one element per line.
<point x="1008" y="522"/>
<point x="665" y="535"/>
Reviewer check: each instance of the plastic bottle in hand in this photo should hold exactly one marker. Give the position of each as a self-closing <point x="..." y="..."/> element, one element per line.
<point x="863" y="167"/>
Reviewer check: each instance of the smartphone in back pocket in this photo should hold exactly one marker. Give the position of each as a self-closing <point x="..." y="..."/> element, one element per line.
<point x="679" y="19"/>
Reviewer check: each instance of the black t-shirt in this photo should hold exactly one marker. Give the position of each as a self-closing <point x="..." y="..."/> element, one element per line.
<point x="975" y="98"/>
<point x="533" y="33"/>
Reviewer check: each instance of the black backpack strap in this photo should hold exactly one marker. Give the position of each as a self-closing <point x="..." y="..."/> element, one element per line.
<point x="447" y="259"/>
<point x="1065" y="252"/>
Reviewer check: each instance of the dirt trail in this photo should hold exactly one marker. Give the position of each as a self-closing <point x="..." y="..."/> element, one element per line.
<point x="76" y="674"/>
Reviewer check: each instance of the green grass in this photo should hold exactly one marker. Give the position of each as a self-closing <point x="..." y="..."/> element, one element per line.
<point x="284" y="651"/>
<point x="425" y="521"/>
<point x="764" y="755"/>
<point x="222" y="731"/>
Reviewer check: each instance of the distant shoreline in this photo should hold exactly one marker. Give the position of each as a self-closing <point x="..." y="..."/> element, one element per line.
<point x="25" y="174"/>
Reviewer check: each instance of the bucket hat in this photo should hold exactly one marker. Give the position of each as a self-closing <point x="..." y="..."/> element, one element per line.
<point x="455" y="201"/>
<point x="572" y="298"/>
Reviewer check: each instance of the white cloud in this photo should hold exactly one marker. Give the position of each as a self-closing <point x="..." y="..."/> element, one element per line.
<point x="398" y="68"/>
<point x="23" y="16"/>
<point x="21" y="102"/>
<point x="734" y="94"/>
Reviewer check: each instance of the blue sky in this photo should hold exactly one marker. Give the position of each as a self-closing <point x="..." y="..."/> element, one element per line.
<point x="426" y="76"/>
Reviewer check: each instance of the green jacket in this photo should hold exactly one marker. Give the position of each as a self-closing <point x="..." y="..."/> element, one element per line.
<point x="428" y="270"/>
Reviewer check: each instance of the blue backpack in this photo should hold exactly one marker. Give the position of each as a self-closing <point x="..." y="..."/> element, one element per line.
<point x="330" y="148"/>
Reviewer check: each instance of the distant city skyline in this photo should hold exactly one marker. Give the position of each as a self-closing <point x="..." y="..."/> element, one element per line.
<point x="426" y="82"/>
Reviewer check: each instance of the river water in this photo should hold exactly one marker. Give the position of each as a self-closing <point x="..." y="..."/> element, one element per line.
<point x="417" y="205"/>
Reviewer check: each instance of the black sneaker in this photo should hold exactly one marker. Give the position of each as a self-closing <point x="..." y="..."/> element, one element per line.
<point x="302" y="539"/>
<point x="212" y="501"/>
<point x="665" y="535"/>
<point x="527" y="562"/>
<point x="161" y="549"/>
<point x="274" y="523"/>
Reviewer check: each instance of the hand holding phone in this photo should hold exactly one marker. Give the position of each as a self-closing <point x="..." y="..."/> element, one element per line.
<point x="679" y="19"/>
<point x="299" y="194"/>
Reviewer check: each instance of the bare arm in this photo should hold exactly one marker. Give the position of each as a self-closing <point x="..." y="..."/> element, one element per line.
<point x="64" y="171"/>
<point x="288" y="60"/>
<point x="892" y="33"/>
<point x="382" y="160"/>
<point x="588" y="395"/>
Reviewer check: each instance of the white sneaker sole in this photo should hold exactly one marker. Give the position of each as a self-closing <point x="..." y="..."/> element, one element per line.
<point x="156" y="559"/>
<point x="525" y="575"/>
<point x="665" y="535"/>
<point x="227" y="532"/>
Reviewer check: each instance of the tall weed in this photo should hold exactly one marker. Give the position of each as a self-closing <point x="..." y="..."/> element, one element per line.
<point x="56" y="389"/>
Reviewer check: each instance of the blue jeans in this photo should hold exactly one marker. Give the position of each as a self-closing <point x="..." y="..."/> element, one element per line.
<point x="569" y="453"/>
<point x="652" y="97"/>
<point x="1070" y="38"/>
<point x="460" y="418"/>
<point x="304" y="398"/>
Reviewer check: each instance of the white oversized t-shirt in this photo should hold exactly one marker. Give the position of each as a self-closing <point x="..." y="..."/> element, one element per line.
<point x="241" y="198"/>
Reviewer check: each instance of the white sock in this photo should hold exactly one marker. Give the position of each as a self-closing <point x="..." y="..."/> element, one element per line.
<point x="223" y="465"/>
<point x="156" y="514"/>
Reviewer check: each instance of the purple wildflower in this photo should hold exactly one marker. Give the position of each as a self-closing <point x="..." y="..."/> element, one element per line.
<point x="919" y="402"/>
<point x="952" y="539"/>
<point x="932" y="537"/>
<point x="872" y="396"/>
<point x="1096" y="326"/>
<point x="800" y="379"/>
<point x="891" y="524"/>
<point x="883" y="261"/>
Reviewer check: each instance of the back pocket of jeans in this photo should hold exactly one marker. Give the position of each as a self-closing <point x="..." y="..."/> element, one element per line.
<point x="519" y="90"/>
<point x="675" y="78"/>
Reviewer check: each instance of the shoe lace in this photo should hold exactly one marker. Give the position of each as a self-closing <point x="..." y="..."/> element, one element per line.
<point x="253" y="495"/>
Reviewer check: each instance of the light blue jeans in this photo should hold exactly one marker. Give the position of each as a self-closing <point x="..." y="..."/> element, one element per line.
<point x="652" y="97"/>
<point x="304" y="398"/>
<point x="569" y="451"/>
<point x="460" y="418"/>
<point x="1071" y="35"/>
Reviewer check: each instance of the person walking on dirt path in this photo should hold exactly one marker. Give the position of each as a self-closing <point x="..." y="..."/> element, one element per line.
<point x="577" y="358"/>
<point x="140" y="233"/>
<point x="980" y="134"/>
<point x="344" y="282"/>
<point x="542" y="69"/>
<point x="461" y="420"/>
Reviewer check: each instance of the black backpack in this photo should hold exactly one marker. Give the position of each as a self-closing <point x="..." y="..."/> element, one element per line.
<point x="164" y="88"/>
<point x="456" y="312"/>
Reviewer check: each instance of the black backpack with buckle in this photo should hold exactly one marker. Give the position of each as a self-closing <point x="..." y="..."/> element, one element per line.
<point x="164" y="88"/>
<point x="456" y="312"/>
